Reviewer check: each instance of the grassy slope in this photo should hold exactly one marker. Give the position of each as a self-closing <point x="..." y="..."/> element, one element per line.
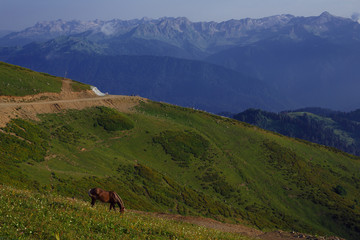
<point x="78" y="86"/>
<point x="30" y="215"/>
<point x="240" y="173"/>
<point x="18" y="81"/>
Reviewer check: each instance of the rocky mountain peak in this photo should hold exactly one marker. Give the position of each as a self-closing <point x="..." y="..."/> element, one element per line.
<point x="326" y="17"/>
<point x="181" y="30"/>
<point x="326" y="14"/>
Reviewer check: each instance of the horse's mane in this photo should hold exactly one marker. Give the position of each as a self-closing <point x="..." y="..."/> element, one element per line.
<point x="119" y="200"/>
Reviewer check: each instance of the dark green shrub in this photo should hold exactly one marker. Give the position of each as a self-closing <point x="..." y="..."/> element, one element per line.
<point x="112" y="120"/>
<point x="217" y="182"/>
<point x="147" y="173"/>
<point x="340" y="190"/>
<point x="66" y="134"/>
<point x="182" y="145"/>
<point x="23" y="141"/>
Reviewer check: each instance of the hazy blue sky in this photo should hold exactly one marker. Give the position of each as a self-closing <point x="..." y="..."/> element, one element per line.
<point x="18" y="14"/>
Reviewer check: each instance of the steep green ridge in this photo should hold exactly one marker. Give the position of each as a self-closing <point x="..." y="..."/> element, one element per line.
<point x="18" y="81"/>
<point x="331" y="128"/>
<point x="180" y="160"/>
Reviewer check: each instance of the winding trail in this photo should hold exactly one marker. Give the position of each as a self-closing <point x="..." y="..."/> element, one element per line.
<point x="98" y="98"/>
<point x="29" y="107"/>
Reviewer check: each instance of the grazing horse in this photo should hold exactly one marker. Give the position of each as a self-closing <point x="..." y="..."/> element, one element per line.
<point x="106" y="197"/>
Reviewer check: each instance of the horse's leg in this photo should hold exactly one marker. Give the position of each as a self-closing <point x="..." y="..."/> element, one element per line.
<point x="112" y="206"/>
<point x="93" y="200"/>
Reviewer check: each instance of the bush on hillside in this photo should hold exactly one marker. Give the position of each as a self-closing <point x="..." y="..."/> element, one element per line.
<point x="67" y="134"/>
<point x="112" y="120"/>
<point x="183" y="145"/>
<point x="340" y="190"/>
<point x="217" y="182"/>
<point x="23" y="141"/>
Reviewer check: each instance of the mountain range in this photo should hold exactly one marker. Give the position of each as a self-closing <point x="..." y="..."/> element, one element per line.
<point x="288" y="62"/>
<point x="180" y="32"/>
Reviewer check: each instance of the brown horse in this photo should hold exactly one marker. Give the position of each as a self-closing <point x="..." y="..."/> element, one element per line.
<point x="106" y="197"/>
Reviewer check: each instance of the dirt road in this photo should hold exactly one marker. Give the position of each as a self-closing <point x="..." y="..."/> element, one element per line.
<point x="237" y="228"/>
<point x="29" y="106"/>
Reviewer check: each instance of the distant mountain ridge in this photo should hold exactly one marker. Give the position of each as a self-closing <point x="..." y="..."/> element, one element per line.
<point x="205" y="35"/>
<point x="197" y="39"/>
<point x="302" y="61"/>
<point x="336" y="129"/>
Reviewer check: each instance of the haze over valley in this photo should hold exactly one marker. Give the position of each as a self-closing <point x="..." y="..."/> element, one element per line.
<point x="275" y="63"/>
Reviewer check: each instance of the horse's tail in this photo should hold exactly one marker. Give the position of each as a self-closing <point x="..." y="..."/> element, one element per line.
<point x="120" y="201"/>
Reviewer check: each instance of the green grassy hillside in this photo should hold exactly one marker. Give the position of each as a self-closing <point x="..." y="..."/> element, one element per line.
<point x="18" y="81"/>
<point x="171" y="159"/>
<point x="30" y="215"/>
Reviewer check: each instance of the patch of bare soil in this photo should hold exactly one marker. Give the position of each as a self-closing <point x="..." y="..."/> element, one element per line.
<point x="28" y="107"/>
<point x="237" y="228"/>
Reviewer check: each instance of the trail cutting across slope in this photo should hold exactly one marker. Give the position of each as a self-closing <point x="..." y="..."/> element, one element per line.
<point x="237" y="228"/>
<point x="29" y="106"/>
